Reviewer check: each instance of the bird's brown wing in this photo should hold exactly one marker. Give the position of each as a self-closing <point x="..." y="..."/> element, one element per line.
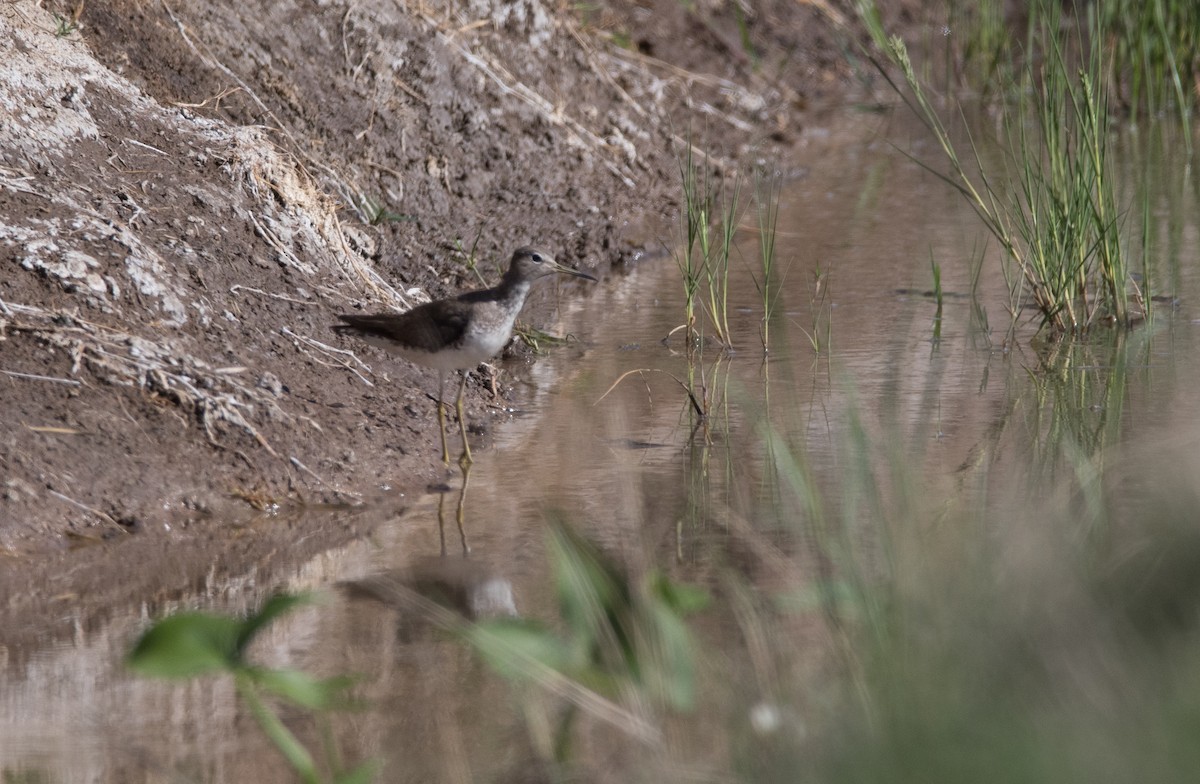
<point x="427" y="327"/>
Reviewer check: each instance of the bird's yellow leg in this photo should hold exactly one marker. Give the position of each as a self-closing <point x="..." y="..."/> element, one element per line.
<point x="442" y="415"/>
<point x="465" y="459"/>
<point x="442" y="430"/>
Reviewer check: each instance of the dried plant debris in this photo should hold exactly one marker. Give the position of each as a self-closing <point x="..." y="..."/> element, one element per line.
<point x="212" y="396"/>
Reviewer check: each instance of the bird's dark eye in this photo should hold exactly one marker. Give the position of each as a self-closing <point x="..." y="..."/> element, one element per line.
<point x="536" y="257"/>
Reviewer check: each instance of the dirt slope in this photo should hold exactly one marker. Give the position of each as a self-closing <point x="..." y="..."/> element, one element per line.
<point x="190" y="192"/>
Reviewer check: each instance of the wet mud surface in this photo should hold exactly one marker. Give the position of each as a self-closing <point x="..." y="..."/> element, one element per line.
<point x="190" y="193"/>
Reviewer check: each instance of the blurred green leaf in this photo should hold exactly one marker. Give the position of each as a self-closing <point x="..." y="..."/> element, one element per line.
<point x="278" y="605"/>
<point x="193" y="643"/>
<point x="302" y="688"/>
<point x="594" y="596"/>
<point x="363" y="774"/>
<point x="682" y="598"/>
<point x="186" y="645"/>
<point x="510" y="645"/>
<point x="672" y="674"/>
<point x="817" y="596"/>
<point x="601" y="681"/>
<point x="288" y="744"/>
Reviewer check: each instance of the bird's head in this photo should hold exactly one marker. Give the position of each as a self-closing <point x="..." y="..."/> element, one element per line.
<point x="529" y="264"/>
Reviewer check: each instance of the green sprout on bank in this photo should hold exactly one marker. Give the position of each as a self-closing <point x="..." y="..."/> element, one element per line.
<point x="65" y="27"/>
<point x="469" y="255"/>
<point x="743" y="25"/>
<point x="539" y="341"/>
<point x="374" y="212"/>
<point x="192" y="644"/>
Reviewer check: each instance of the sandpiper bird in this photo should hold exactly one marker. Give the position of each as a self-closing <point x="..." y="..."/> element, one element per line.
<point x="459" y="332"/>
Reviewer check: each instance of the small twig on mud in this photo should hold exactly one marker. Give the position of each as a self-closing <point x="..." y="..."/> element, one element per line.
<point x="215" y="100"/>
<point x="828" y="11"/>
<point x="10" y="180"/>
<point x="709" y="109"/>
<point x="102" y="515"/>
<point x="642" y="371"/>
<point x="370" y="277"/>
<point x="129" y="416"/>
<point x="332" y="350"/>
<point x="125" y="200"/>
<point x="353" y="69"/>
<point x="147" y="146"/>
<point x="296" y="462"/>
<point x="469" y="26"/>
<point x="602" y="72"/>
<point x="226" y="412"/>
<point x="710" y="80"/>
<point x="285" y="255"/>
<point x="215" y="63"/>
<point x="52" y="430"/>
<point x="33" y="377"/>
<point x="234" y="289"/>
<point x="403" y="85"/>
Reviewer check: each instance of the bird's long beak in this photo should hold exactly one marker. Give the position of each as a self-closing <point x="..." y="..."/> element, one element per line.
<point x="568" y="271"/>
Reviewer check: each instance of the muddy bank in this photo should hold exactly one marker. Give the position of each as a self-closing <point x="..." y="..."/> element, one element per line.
<point x="190" y="193"/>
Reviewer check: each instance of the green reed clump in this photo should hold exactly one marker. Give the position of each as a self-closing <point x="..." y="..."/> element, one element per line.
<point x="980" y="48"/>
<point x="768" y="282"/>
<point x="936" y="271"/>
<point x="708" y="224"/>
<point x="1151" y="48"/>
<point x="976" y="634"/>
<point x="820" y="331"/>
<point x="1154" y="49"/>
<point x="1079" y="391"/>
<point x="979" y="329"/>
<point x="697" y="205"/>
<point x="1054" y="209"/>
<point x="1066" y="213"/>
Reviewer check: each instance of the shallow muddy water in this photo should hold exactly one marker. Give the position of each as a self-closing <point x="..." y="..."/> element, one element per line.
<point x="854" y="381"/>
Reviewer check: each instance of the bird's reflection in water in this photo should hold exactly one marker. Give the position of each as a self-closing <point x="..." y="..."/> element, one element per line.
<point x="428" y="587"/>
<point x="458" y="511"/>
